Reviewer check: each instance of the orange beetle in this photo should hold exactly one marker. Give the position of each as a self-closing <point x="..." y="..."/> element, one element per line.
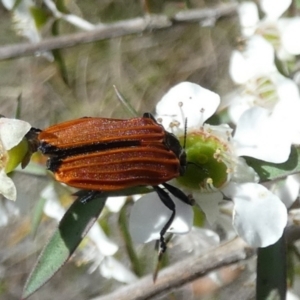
<point x="111" y="154"/>
<point x="101" y="154"/>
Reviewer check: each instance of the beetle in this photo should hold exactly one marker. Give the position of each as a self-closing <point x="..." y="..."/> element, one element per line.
<point x="105" y="154"/>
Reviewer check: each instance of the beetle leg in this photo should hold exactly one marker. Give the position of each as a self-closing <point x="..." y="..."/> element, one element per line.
<point x="168" y="202"/>
<point x="86" y="196"/>
<point x="179" y="194"/>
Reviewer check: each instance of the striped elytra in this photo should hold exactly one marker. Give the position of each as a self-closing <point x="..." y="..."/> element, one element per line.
<point x="104" y="154"/>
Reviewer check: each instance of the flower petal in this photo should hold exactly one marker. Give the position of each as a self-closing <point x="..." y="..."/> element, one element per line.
<point x="103" y="243"/>
<point x="149" y="215"/>
<point x="209" y="204"/>
<point x="188" y="101"/>
<point x="256" y="60"/>
<point x="8" y="210"/>
<point x="274" y="9"/>
<point x="288" y="189"/>
<point x="258" y="134"/>
<point x="12" y="132"/>
<point x="259" y="216"/>
<point x="112" y="268"/>
<point x="243" y="173"/>
<point x="114" y="204"/>
<point x="52" y="207"/>
<point x="7" y="186"/>
<point x="288" y="27"/>
<point x="249" y="18"/>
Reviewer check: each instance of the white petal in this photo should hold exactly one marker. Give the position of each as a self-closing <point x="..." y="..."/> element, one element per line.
<point x="103" y="243"/>
<point x="209" y="204"/>
<point x="248" y="14"/>
<point x="12" y="132"/>
<point x="239" y="105"/>
<point x="197" y="241"/>
<point x="8" y="4"/>
<point x="8" y="209"/>
<point x="7" y="186"/>
<point x="149" y="215"/>
<point x="52" y="207"/>
<point x="114" y="204"/>
<point x="112" y="268"/>
<point x="288" y="29"/>
<point x="256" y="60"/>
<point x="188" y="101"/>
<point x="258" y="134"/>
<point x="291" y="296"/>
<point x="288" y="189"/>
<point x="259" y="216"/>
<point x="274" y="9"/>
<point x="24" y="23"/>
<point x="243" y="173"/>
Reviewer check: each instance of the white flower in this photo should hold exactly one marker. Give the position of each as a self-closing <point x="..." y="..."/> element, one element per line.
<point x="249" y="18"/>
<point x="112" y="268"/>
<point x="255" y="60"/>
<point x="219" y="170"/>
<point x="264" y="91"/>
<point x="23" y="19"/>
<point x="145" y="223"/>
<point x="274" y="9"/>
<point x="193" y="96"/>
<point x="281" y="32"/>
<point x="12" y="132"/>
<point x="290" y="44"/>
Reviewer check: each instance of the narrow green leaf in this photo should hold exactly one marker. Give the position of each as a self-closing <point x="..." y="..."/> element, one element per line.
<point x="18" y="110"/>
<point x="136" y="265"/>
<point x="58" y="56"/>
<point x="126" y="104"/>
<point x="71" y="230"/>
<point x="270" y="171"/>
<point x="271" y="272"/>
<point x="37" y="215"/>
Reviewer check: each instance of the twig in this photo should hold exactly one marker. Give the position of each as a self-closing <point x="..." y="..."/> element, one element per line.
<point x="198" y="15"/>
<point x="183" y="272"/>
<point x="138" y="25"/>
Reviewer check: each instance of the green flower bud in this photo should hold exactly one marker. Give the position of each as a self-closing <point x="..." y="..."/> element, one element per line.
<point x="206" y="166"/>
<point x="16" y="155"/>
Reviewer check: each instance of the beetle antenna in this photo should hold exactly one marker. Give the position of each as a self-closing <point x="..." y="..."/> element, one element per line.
<point x="198" y="166"/>
<point x="185" y="131"/>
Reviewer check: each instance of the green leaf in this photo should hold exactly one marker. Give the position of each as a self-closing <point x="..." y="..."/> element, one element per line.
<point x="60" y="5"/>
<point x="18" y="110"/>
<point x="271" y="272"/>
<point x="71" y="230"/>
<point x="37" y="215"/>
<point x="40" y="17"/>
<point x="58" y="57"/>
<point x="123" y="220"/>
<point x="270" y="171"/>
